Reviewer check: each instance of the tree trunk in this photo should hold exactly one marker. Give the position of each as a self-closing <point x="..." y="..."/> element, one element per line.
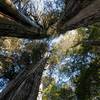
<point x="11" y="28"/>
<point x="26" y="85"/>
<point x="83" y="90"/>
<point x="78" y="13"/>
<point x="7" y="7"/>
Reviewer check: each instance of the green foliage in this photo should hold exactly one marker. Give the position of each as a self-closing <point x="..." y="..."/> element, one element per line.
<point x="54" y="92"/>
<point x="87" y="82"/>
<point x="82" y="68"/>
<point x="85" y="62"/>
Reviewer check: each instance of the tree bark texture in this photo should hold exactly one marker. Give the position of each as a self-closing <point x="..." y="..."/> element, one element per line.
<point x="7" y="7"/>
<point x="26" y="85"/>
<point x="11" y="28"/>
<point x="77" y="13"/>
<point x="86" y="16"/>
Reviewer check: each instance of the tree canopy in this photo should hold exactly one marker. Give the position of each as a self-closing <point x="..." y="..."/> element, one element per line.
<point x="67" y="67"/>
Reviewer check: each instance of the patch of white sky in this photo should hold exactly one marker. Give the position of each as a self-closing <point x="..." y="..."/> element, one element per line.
<point x="40" y="4"/>
<point x="3" y="83"/>
<point x="58" y="39"/>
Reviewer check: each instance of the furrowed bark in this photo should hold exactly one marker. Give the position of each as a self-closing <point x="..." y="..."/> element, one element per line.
<point x="72" y="8"/>
<point x="10" y="28"/>
<point x="32" y="74"/>
<point x="7" y="7"/>
<point x="83" y="14"/>
<point x="78" y="13"/>
<point x="86" y="16"/>
<point x="29" y="88"/>
<point x="26" y="85"/>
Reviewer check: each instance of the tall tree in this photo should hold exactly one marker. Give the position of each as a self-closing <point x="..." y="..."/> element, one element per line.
<point x="73" y="15"/>
<point x="54" y="21"/>
<point x="25" y="85"/>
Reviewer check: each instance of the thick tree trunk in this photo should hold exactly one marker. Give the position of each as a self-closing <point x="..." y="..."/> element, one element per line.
<point x="7" y="7"/>
<point x="10" y="28"/>
<point x="26" y="85"/>
<point x="83" y="90"/>
<point x="77" y="13"/>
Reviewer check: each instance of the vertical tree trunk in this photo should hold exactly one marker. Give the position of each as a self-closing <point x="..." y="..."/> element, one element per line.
<point x="83" y="90"/>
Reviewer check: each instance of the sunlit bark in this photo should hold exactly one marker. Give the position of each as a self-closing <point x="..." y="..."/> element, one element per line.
<point x="77" y="13"/>
<point x="7" y="7"/>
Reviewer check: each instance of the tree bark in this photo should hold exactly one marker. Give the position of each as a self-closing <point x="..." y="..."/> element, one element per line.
<point x="11" y="28"/>
<point x="83" y="90"/>
<point x="88" y="13"/>
<point x="26" y="85"/>
<point x="78" y="13"/>
<point x="7" y="7"/>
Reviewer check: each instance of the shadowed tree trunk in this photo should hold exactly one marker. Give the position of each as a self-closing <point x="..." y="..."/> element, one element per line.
<point x="8" y="8"/>
<point x="26" y="85"/>
<point x="11" y="28"/>
<point x="87" y="76"/>
<point x="77" y="13"/>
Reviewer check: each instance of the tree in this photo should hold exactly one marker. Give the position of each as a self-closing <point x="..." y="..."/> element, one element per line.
<point x="81" y="65"/>
<point x="26" y="84"/>
<point x="84" y="65"/>
<point x="52" y="91"/>
<point x="54" y="21"/>
<point x="75" y="14"/>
